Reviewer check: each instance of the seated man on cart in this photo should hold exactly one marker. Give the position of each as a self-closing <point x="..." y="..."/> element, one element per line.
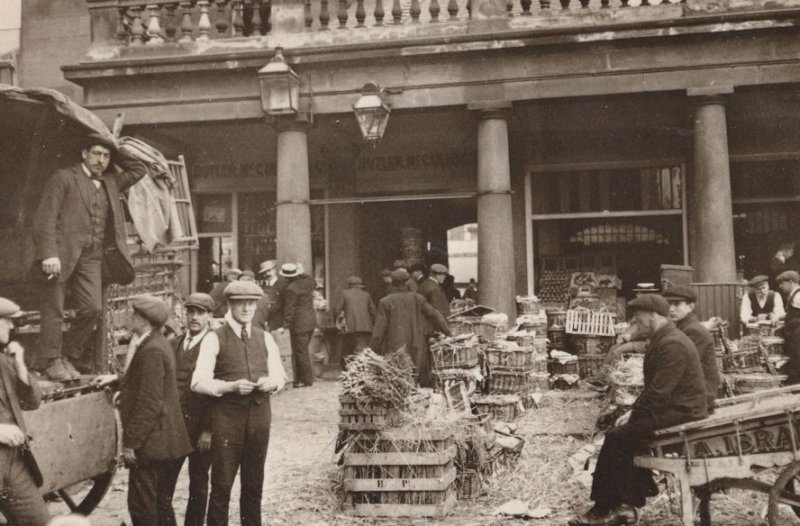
<point x="674" y="393"/>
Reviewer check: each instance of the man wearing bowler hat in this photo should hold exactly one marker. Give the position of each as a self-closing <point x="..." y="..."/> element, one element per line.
<point x="239" y="365"/>
<point x="674" y="393"/>
<point x="20" y="499"/>
<point x="358" y="310"/>
<point x="80" y="242"/>
<point x="789" y="284"/>
<point x="154" y="435"/>
<point x="760" y="303"/>
<point x="195" y="407"/>
<point x="682" y="301"/>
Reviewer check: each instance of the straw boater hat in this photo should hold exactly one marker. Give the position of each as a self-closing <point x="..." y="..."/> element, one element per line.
<point x="290" y="270"/>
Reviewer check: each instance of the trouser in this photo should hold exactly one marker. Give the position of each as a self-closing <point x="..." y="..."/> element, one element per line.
<point x="301" y="361"/>
<point x="616" y="480"/>
<point x="85" y="284"/>
<point x="791" y="348"/>
<point x="199" y="466"/>
<point x="150" y="495"/>
<point x="240" y="440"/>
<point x="424" y="366"/>
<point x="20" y="500"/>
<point x="353" y="343"/>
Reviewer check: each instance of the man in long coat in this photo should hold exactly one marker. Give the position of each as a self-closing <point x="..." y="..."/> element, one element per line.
<point x="400" y="321"/>
<point x="789" y="285"/>
<point x="358" y="310"/>
<point x="79" y="235"/>
<point x="300" y="319"/>
<point x="154" y="435"/>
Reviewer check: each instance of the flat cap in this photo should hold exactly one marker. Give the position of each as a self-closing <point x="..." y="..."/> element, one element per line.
<point x="248" y="275"/>
<point x="755" y="280"/>
<point x="680" y="293"/>
<point x="151" y="308"/>
<point x="290" y="270"/>
<point x="400" y="276"/>
<point x="650" y="303"/>
<point x="789" y="275"/>
<point x="438" y="268"/>
<point x="354" y="280"/>
<point x="243" y="290"/>
<point x="416" y="267"/>
<point x="233" y="272"/>
<point x="386" y="272"/>
<point x="9" y="309"/>
<point x="399" y="263"/>
<point x="200" y="300"/>
<point x="94" y="139"/>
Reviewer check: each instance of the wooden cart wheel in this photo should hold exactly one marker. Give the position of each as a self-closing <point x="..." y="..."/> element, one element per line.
<point x="786" y="490"/>
<point x="89" y="500"/>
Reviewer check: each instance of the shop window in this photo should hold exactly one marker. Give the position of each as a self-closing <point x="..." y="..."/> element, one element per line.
<point x="214" y="213"/>
<point x="183" y="202"/>
<point x="765" y="179"/>
<point x="612" y="234"/>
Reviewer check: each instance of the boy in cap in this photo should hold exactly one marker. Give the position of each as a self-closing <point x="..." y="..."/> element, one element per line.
<point x="358" y="310"/>
<point x="154" y="436"/>
<point x="682" y="301"/>
<point x="674" y="393"/>
<point x="760" y="302"/>
<point x="789" y="284"/>
<point x="20" y="499"/>
<point x="79" y="235"/>
<point x="239" y="365"/>
<point x="194" y="407"/>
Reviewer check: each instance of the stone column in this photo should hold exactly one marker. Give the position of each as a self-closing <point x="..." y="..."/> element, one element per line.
<point x="714" y="257"/>
<point x="293" y="192"/>
<point x="496" y="278"/>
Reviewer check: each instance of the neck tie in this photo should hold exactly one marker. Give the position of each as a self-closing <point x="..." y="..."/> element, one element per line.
<point x="244" y="334"/>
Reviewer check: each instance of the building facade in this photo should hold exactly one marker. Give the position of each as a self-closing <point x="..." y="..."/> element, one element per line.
<point x="582" y="134"/>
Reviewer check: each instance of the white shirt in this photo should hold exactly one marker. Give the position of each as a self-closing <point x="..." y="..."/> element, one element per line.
<point x="190" y="341"/>
<point x="746" y="310"/>
<point x="203" y="380"/>
<point x="796" y="300"/>
<point x="133" y="346"/>
<point x="89" y="175"/>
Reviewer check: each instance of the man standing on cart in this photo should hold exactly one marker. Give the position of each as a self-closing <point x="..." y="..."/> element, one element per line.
<point x="789" y="283"/>
<point x="674" y="393"/>
<point x="80" y="239"/>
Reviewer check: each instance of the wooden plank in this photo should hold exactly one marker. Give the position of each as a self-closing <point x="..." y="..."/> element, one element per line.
<point x="401" y="484"/>
<point x="410" y="435"/>
<point x="404" y="510"/>
<point x="401" y="459"/>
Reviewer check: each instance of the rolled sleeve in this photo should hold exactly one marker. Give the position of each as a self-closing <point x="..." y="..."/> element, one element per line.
<point x="277" y="374"/>
<point x="203" y="380"/>
<point x="746" y="310"/>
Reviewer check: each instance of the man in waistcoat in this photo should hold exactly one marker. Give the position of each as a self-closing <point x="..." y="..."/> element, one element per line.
<point x="239" y="365"/>
<point x="80" y="240"/>
<point x="789" y="284"/>
<point x="195" y="407"/>
<point x="20" y="499"/>
<point x="760" y="303"/>
<point x="154" y="436"/>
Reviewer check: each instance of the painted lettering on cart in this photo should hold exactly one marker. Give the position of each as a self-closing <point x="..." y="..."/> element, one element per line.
<point x="764" y="440"/>
<point x="394" y="163"/>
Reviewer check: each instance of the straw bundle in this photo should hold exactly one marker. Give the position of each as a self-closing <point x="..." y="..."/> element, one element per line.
<point x="370" y="378"/>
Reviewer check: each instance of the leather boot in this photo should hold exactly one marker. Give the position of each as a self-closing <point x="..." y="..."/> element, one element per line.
<point x="57" y="372"/>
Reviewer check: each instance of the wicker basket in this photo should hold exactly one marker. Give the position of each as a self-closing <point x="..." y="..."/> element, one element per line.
<point x="590" y="344"/>
<point x="590" y="323"/>
<point x="463" y="325"/>
<point x="540" y="381"/>
<point x="592" y="366"/>
<point x="528" y="304"/>
<point x="500" y="407"/>
<point x="469" y="484"/>
<point x="772" y="345"/>
<point x="754" y="382"/>
<point x="517" y="358"/>
<point x="557" y="367"/>
<point x="448" y="354"/>
<point x="556" y="318"/>
<point x="502" y="382"/>
<point x="446" y="376"/>
<point x="557" y="337"/>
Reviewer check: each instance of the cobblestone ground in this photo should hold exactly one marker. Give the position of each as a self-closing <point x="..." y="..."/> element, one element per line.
<point x="301" y="472"/>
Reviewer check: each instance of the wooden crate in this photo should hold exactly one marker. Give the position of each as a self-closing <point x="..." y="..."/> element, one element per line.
<point x="369" y="417"/>
<point x="401" y="473"/>
<point x="590" y="323"/>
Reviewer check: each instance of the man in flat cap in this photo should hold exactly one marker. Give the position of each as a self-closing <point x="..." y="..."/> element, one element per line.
<point x="386" y="285"/>
<point x="358" y="310"/>
<point x="682" y="301"/>
<point x="239" y="365"/>
<point x="789" y="285"/>
<point x="400" y="322"/>
<point x="218" y="292"/>
<point x="431" y="289"/>
<point x="674" y="393"/>
<point x="402" y="264"/>
<point x="80" y="240"/>
<point x="20" y="499"/>
<point x="194" y="407"/>
<point x="760" y="303"/>
<point x="299" y="319"/>
<point x="154" y="435"/>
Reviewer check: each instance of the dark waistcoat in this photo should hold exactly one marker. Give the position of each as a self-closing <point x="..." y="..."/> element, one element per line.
<point x="236" y="361"/>
<point x="768" y="305"/>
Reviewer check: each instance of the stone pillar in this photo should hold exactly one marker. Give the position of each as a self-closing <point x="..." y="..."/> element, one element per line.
<point x="496" y="278"/>
<point x="293" y="192"/>
<point x="714" y="257"/>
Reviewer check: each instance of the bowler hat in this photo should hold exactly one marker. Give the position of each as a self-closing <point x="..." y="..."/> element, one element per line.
<point x="789" y="275"/>
<point x="267" y="265"/>
<point x="289" y="270"/>
<point x="243" y="290"/>
<point x="151" y="308"/>
<point x="650" y="303"/>
<point x="755" y="280"/>
<point x="9" y="309"/>
<point x="400" y="276"/>
<point x="94" y="139"/>
<point x="354" y="281"/>
<point x="680" y="293"/>
<point x="200" y="300"/>
<point x="438" y="268"/>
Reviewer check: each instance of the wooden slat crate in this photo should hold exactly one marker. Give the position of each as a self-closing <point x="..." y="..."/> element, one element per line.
<point x="372" y="416"/>
<point x="401" y="473"/>
<point x="590" y="323"/>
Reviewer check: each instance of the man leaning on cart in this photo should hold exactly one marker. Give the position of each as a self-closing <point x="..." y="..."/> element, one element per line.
<point x="674" y="393"/>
